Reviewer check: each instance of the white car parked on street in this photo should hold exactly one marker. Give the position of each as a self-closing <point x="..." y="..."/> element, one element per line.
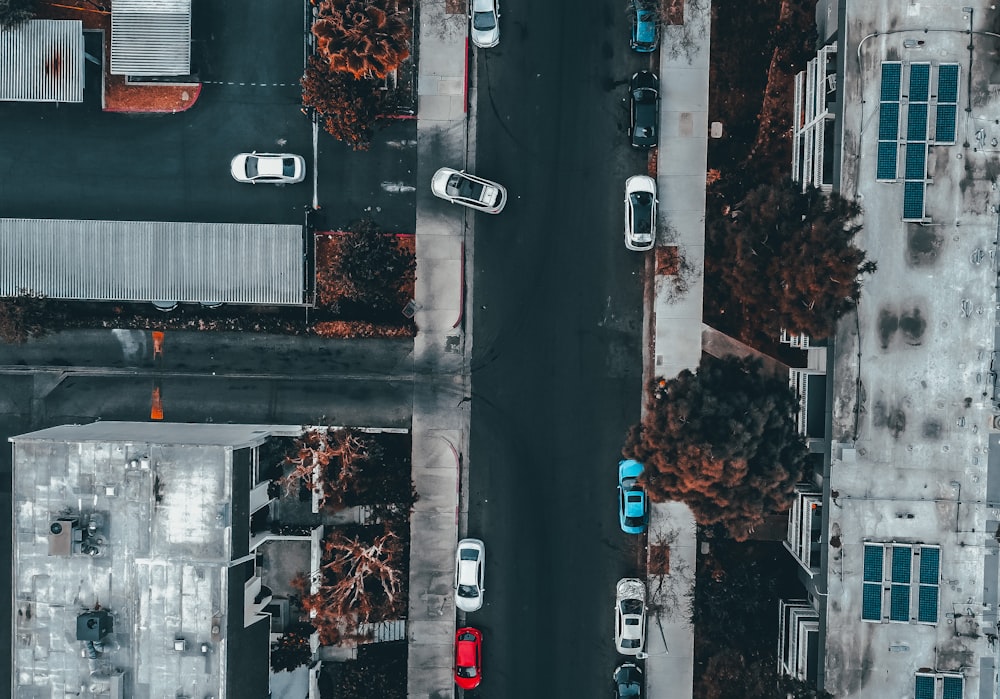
<point x="270" y="168"/>
<point x="630" y="616"/>
<point x="640" y="212"/>
<point x="485" y="18"/>
<point x="469" y="561"/>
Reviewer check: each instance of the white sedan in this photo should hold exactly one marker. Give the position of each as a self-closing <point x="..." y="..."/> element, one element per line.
<point x="469" y="561"/>
<point x="630" y="616"/>
<point x="271" y="168"/>
<point x="459" y="187"/>
<point x="640" y="212"/>
<point x="485" y="16"/>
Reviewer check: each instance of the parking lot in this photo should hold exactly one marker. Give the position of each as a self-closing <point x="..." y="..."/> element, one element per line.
<point x="175" y="167"/>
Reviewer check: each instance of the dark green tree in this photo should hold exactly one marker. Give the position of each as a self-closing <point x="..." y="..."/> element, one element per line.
<point x="14" y="12"/>
<point x="24" y="316"/>
<point x="374" y="270"/>
<point x="784" y="260"/>
<point x="725" y="441"/>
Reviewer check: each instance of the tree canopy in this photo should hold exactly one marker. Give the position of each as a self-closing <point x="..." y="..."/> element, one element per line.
<point x="348" y="105"/>
<point x="724" y="441"/>
<point x="364" y="38"/>
<point x="14" y="12"/>
<point x="785" y="260"/>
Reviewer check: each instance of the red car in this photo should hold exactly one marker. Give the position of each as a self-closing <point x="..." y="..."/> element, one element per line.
<point x="468" y="658"/>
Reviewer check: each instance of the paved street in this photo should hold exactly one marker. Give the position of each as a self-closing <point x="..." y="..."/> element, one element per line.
<point x="557" y="360"/>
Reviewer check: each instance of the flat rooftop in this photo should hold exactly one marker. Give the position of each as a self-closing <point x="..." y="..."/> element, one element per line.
<point x="152" y="503"/>
<point x="912" y="560"/>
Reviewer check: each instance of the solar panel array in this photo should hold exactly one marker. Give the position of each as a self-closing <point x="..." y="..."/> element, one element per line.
<point x="952" y="686"/>
<point x="897" y="580"/>
<point x="922" y="109"/>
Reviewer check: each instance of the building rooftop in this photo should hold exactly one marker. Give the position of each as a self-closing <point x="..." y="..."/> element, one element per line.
<point x="911" y="560"/>
<point x="137" y="519"/>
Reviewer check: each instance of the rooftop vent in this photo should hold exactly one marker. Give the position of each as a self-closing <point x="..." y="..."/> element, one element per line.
<point x="93" y="625"/>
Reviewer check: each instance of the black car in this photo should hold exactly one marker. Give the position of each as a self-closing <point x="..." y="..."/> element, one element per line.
<point x="644" y="97"/>
<point x="628" y="681"/>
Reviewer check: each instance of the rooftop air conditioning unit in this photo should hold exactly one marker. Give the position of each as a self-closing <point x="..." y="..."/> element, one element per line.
<point x="62" y="533"/>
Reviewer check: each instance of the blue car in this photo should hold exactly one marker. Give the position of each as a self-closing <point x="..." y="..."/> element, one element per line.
<point x="645" y="30"/>
<point x="632" y="510"/>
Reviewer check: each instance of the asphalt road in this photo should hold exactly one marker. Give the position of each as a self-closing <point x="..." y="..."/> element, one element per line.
<point x="557" y="347"/>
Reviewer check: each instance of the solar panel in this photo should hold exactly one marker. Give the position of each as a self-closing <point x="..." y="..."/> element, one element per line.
<point x="901" y="556"/>
<point x="916" y="122"/>
<point x="920" y="80"/>
<point x="913" y="200"/>
<point x="873" y="563"/>
<point x="871" y="601"/>
<point x="948" y="83"/>
<point x="944" y="123"/>
<point x="927" y="604"/>
<point x="953" y="688"/>
<point x="899" y="603"/>
<point x="891" y="73"/>
<point x="886" y="164"/>
<point x="930" y="565"/>
<point x="924" y="688"/>
<point x="888" y="121"/>
<point x="915" y="169"/>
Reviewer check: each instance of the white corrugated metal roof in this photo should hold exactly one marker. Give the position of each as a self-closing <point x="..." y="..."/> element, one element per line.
<point x="150" y="37"/>
<point x="152" y="261"/>
<point x="41" y="60"/>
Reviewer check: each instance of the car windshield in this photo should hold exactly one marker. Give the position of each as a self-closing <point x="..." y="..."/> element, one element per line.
<point x="633" y="521"/>
<point x="631" y="606"/>
<point x="642" y="207"/>
<point x="288" y="167"/>
<point x="459" y="186"/>
<point x="468" y="591"/>
<point x="468" y="672"/>
<point x="628" y="687"/>
<point x="644" y="95"/>
<point x="251" y="167"/>
<point x="630" y="643"/>
<point x="468" y="554"/>
<point x="630" y="481"/>
<point x="484" y="21"/>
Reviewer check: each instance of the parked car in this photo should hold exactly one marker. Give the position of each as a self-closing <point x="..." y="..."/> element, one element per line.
<point x="630" y="616"/>
<point x="628" y="681"/>
<point x="459" y="187"/>
<point x="271" y="168"/>
<point x="633" y="513"/>
<point x="640" y="212"/>
<point x="644" y="96"/>
<point x="645" y="27"/>
<point x="468" y="658"/>
<point x="470" y="558"/>
<point x="485" y="20"/>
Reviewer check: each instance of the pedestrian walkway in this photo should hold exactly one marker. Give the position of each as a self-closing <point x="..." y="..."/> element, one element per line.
<point x="675" y="325"/>
<point x="441" y="384"/>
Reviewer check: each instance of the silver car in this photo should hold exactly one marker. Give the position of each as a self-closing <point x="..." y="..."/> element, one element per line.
<point x="270" y="168"/>
<point x="459" y="187"/>
<point x="630" y="616"/>
<point x="470" y="558"/>
<point x="484" y="16"/>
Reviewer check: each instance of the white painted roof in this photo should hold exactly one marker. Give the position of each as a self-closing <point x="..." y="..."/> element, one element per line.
<point x="41" y="60"/>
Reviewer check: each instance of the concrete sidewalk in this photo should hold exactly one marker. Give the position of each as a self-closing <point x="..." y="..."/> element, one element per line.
<point x="675" y="327"/>
<point x="441" y="410"/>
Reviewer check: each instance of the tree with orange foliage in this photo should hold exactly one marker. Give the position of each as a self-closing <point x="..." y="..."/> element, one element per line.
<point x="328" y="462"/>
<point x="348" y="105"/>
<point x="364" y="38"/>
<point x="724" y="441"/>
<point x="360" y="581"/>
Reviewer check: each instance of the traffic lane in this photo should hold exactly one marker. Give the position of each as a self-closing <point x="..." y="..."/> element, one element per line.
<point x="208" y="352"/>
<point x="220" y="399"/>
<point x="380" y="182"/>
<point x="557" y="355"/>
